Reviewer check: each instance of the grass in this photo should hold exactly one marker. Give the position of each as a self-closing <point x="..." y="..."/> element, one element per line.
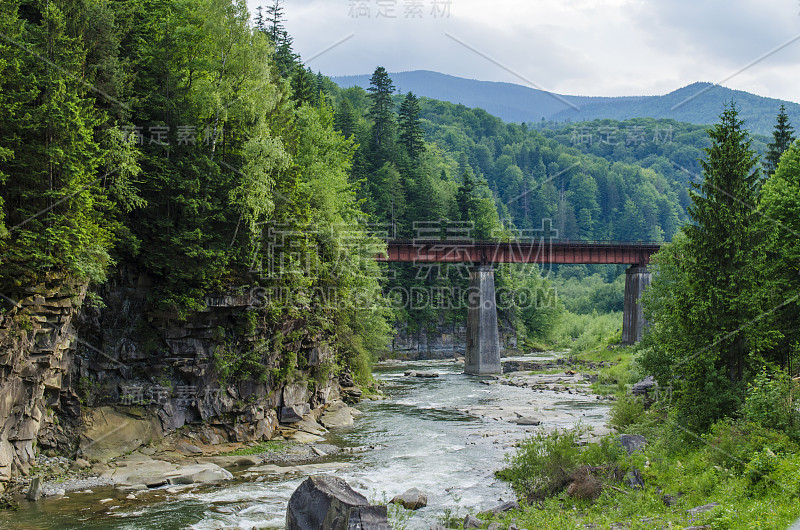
<point x="747" y="466"/>
<point x="589" y="332"/>
<point x="756" y="485"/>
<point x="263" y="447"/>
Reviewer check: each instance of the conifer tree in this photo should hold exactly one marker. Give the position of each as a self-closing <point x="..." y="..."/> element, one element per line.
<point x="345" y="119"/>
<point x="783" y="136"/>
<point x="411" y="135"/>
<point x="702" y="303"/>
<point x="382" y="113"/>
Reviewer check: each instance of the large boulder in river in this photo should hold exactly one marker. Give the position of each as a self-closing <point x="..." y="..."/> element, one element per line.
<point x="329" y="502"/>
<point x="412" y="499"/>
<point x="337" y="415"/>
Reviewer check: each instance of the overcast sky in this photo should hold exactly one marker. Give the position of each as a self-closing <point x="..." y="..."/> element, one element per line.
<point x="582" y="47"/>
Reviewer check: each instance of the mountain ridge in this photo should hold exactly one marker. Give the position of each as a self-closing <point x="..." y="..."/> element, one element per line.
<point x="700" y="102"/>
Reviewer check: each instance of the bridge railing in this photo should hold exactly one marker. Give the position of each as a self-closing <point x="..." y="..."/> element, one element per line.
<point x="565" y="242"/>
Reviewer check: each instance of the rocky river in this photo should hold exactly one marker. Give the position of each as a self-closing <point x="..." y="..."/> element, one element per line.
<point x="437" y="430"/>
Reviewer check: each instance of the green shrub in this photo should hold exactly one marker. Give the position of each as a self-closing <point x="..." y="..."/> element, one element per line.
<point x="543" y="464"/>
<point x="608" y="450"/>
<point x="770" y="402"/>
<point x="731" y="444"/>
<point x="626" y="411"/>
<point x="760" y="467"/>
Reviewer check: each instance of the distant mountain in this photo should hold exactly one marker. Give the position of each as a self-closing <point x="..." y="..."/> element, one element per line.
<point x="699" y="103"/>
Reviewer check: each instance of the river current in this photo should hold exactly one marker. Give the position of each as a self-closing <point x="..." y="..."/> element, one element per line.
<point x="430" y="433"/>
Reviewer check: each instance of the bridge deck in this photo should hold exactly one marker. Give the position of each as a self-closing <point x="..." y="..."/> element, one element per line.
<point x="537" y="251"/>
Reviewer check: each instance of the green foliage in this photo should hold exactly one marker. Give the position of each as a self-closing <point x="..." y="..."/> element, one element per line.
<point x="627" y="411"/>
<point x="543" y="464"/>
<point x="411" y="134"/>
<point x="583" y="295"/>
<point x="780" y="205"/>
<point x="704" y="305"/>
<point x="771" y="402"/>
<point x="782" y="139"/>
<point x="750" y="470"/>
<point x="583" y="333"/>
<point x="260" y="448"/>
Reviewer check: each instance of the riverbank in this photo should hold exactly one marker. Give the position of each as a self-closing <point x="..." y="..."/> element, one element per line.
<point x="183" y="461"/>
<point x="445" y="435"/>
<point x="740" y="475"/>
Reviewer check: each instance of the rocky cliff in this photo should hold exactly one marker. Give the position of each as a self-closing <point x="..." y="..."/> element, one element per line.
<point x="91" y="376"/>
<point x="444" y="341"/>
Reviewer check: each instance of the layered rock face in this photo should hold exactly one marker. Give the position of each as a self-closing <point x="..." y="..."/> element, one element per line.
<point x="37" y="340"/>
<point x="444" y="341"/>
<point x="90" y="379"/>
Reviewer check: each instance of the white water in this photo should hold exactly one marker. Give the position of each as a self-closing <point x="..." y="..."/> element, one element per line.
<point x="422" y="439"/>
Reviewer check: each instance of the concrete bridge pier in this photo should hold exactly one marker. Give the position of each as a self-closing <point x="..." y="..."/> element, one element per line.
<point x="637" y="279"/>
<point x="483" y="342"/>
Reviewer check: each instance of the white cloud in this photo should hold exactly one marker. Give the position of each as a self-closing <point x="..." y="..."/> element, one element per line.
<point x="587" y="47"/>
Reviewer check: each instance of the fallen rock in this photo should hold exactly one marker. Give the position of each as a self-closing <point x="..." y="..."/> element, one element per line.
<point x="35" y="490"/>
<point x="185" y="447"/>
<point x="304" y="437"/>
<point x="352" y="394"/>
<point x="633" y="479"/>
<point x="526" y="421"/>
<point x="80" y="463"/>
<point x="110" y="433"/>
<point x="702" y="509"/>
<point x="501" y="508"/>
<point x="412" y="499"/>
<point x="471" y="521"/>
<point x="336" y="416"/>
<point x="198" y="474"/>
<point x="670" y="500"/>
<point x="632" y="442"/>
<point x="329" y="502"/>
<point x="309" y="425"/>
<point x="644" y="386"/>
<point x="294" y="413"/>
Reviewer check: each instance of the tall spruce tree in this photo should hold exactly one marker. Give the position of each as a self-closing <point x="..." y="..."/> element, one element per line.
<point x="782" y="138"/>
<point x="411" y="135"/>
<point x="702" y="306"/>
<point x="381" y="112"/>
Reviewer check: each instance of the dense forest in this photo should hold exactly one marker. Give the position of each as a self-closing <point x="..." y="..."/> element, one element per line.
<point x="711" y="391"/>
<point x="187" y="140"/>
<point x="179" y="139"/>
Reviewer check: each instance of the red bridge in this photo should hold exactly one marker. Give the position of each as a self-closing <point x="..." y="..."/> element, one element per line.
<point x="535" y="251"/>
<point x="483" y="348"/>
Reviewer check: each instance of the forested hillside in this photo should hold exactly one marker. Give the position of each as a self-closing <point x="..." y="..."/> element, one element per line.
<point x="532" y="177"/>
<point x="177" y="140"/>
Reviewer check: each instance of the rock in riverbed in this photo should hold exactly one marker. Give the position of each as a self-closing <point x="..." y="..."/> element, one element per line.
<point x="412" y="499"/>
<point x="337" y="415"/>
<point x="329" y="502"/>
<point x="424" y="375"/>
